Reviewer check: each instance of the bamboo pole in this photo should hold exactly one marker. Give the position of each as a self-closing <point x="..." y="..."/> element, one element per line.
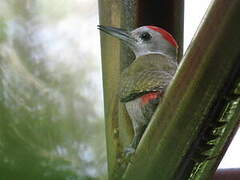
<point x="197" y="96"/>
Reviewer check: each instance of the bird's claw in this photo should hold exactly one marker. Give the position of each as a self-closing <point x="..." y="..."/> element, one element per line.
<point x="129" y="151"/>
<point x="127" y="154"/>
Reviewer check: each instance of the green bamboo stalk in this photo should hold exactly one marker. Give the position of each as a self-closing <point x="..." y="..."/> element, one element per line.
<point x="231" y="115"/>
<point x="113" y="59"/>
<point x="110" y="64"/>
<point x="205" y="78"/>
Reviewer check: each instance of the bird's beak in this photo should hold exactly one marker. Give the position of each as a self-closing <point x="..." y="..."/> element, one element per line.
<point x="118" y="33"/>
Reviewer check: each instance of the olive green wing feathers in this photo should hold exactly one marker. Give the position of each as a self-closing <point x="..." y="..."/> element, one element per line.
<point x="147" y="73"/>
<point x="142" y="83"/>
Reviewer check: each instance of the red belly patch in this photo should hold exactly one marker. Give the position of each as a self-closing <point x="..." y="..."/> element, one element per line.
<point x="145" y="99"/>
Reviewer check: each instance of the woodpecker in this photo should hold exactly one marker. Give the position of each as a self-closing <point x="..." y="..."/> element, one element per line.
<point x="145" y="80"/>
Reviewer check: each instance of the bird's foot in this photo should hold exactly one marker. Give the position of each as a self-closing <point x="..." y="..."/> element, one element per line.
<point x="127" y="154"/>
<point x="129" y="151"/>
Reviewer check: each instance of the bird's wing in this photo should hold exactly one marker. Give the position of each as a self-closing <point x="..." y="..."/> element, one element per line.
<point x="143" y="82"/>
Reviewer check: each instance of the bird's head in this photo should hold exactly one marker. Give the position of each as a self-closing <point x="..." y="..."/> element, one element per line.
<point x="146" y="40"/>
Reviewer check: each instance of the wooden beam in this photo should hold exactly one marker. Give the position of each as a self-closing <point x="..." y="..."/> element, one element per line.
<point x="199" y="96"/>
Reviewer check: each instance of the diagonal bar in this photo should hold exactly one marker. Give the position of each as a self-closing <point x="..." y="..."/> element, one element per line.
<point x="207" y="74"/>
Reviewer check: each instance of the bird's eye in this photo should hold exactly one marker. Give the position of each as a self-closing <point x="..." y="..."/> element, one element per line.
<point x="145" y="36"/>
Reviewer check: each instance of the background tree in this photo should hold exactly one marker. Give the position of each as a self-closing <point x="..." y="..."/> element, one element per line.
<point x="51" y="125"/>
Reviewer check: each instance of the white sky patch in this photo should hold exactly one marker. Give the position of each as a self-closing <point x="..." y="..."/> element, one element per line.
<point x="194" y="11"/>
<point x="232" y="158"/>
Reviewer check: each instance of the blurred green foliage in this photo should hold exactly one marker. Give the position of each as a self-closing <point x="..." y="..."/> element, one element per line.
<point x="51" y="124"/>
